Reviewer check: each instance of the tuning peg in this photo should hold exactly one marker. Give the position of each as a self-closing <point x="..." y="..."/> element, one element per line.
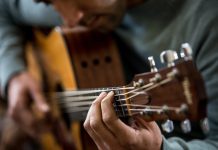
<point x="138" y="83"/>
<point x="186" y="51"/>
<point x="152" y="64"/>
<point x="205" y="125"/>
<point x="157" y="78"/>
<point x="168" y="126"/>
<point x="168" y="56"/>
<point x="186" y="126"/>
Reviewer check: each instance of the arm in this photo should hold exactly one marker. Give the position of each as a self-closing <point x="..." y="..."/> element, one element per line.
<point x="204" y="35"/>
<point x="14" y="17"/>
<point x="16" y="83"/>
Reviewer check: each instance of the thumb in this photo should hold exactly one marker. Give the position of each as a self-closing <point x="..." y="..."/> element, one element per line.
<point x="39" y="99"/>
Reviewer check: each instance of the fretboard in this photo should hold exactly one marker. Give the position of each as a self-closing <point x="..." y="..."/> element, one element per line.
<point x="77" y="103"/>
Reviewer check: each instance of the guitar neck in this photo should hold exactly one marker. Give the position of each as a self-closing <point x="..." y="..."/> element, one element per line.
<point x="77" y="103"/>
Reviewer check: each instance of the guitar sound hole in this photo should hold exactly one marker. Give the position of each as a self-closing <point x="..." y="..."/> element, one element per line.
<point x="108" y="59"/>
<point x="84" y="64"/>
<point x="96" y="62"/>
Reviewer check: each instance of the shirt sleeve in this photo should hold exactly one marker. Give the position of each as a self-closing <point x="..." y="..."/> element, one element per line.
<point x="15" y="16"/>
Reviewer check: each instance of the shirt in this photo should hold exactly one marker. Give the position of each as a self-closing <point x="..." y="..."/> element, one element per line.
<point x="145" y="30"/>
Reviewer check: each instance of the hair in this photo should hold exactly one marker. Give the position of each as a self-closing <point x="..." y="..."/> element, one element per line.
<point x="44" y="1"/>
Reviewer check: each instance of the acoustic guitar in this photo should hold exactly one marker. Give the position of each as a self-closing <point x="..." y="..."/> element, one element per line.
<point x="172" y="93"/>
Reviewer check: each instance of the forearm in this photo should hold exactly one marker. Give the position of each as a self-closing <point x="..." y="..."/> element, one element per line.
<point x="12" y="36"/>
<point x="11" y="49"/>
<point x="11" y="54"/>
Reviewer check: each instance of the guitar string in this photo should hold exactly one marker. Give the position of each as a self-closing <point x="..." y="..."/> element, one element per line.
<point x="126" y="112"/>
<point x="141" y="107"/>
<point x="148" y="110"/>
<point x="75" y="100"/>
<point x="94" y="97"/>
<point x="85" y="92"/>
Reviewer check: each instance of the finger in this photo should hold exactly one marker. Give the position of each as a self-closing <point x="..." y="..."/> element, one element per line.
<point x="39" y="99"/>
<point x="143" y="124"/>
<point x="88" y="127"/>
<point x="98" y="125"/>
<point x="116" y="126"/>
<point x="20" y="113"/>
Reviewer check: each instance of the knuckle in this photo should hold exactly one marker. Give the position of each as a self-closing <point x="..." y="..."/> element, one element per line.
<point x="94" y="124"/>
<point x="86" y="125"/>
<point x="107" y="118"/>
<point x="95" y="103"/>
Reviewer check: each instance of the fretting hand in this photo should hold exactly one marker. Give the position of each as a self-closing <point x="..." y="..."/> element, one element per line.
<point x="109" y="132"/>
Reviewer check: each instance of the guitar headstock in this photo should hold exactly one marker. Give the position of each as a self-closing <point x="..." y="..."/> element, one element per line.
<point x="172" y="93"/>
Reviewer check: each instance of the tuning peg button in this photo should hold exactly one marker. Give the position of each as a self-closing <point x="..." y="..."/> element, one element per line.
<point x="186" y="126"/>
<point x="152" y="64"/>
<point x="168" y="126"/>
<point x="186" y="51"/>
<point x="168" y="56"/>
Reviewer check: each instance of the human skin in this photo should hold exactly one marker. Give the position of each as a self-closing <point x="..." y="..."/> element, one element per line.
<point x="109" y="132"/>
<point x="23" y="89"/>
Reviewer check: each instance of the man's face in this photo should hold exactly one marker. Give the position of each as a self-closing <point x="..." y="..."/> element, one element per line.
<point x="101" y="14"/>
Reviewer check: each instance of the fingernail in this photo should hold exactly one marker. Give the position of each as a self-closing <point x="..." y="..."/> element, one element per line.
<point x="103" y="94"/>
<point x="45" y="108"/>
<point x="111" y="93"/>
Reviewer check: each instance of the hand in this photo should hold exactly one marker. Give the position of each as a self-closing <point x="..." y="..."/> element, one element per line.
<point x="23" y="92"/>
<point x="94" y="14"/>
<point x="109" y="132"/>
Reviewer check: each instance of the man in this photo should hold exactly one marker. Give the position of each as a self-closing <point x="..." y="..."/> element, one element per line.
<point x="148" y="29"/>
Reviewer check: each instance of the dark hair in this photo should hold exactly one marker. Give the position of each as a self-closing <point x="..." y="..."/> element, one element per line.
<point x="45" y="1"/>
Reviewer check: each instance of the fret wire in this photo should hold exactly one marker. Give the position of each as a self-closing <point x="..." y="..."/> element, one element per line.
<point x="123" y="111"/>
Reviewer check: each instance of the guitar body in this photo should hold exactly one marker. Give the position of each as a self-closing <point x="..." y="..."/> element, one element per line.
<point x="71" y="60"/>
